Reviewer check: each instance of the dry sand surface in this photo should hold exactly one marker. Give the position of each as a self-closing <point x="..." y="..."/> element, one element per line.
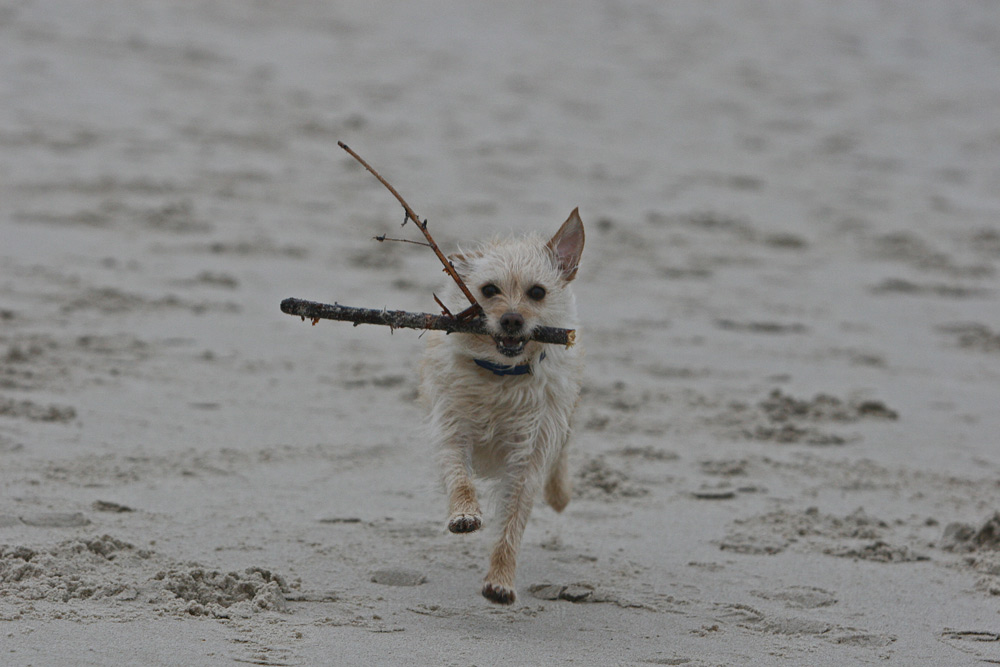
<point x="787" y="448"/>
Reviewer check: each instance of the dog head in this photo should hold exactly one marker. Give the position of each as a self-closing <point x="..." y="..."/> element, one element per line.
<point x="521" y="284"/>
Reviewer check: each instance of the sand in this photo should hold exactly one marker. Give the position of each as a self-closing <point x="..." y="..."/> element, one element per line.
<point x="786" y="452"/>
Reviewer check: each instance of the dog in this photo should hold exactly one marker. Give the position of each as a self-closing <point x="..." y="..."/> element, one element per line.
<point x="500" y="405"/>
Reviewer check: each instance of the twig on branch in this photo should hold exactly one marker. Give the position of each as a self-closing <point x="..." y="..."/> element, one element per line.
<point x="444" y="308"/>
<point x="473" y="310"/>
<point x="401" y="319"/>
<point x="382" y="238"/>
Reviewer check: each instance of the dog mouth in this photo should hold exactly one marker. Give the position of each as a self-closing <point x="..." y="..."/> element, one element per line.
<point x="510" y="346"/>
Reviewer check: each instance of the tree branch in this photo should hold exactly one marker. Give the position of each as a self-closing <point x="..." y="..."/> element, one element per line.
<point x="383" y="238"/>
<point x="401" y="319"/>
<point x="475" y="308"/>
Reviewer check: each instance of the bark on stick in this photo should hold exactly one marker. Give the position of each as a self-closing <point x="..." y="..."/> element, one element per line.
<point x="401" y="319"/>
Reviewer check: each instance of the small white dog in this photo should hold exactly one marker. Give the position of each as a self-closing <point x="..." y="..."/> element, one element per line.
<point x="500" y="405"/>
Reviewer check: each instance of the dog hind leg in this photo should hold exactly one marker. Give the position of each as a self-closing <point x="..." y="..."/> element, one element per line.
<point x="558" y="488"/>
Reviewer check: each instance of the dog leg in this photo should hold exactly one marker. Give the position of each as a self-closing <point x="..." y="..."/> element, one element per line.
<point x="558" y="488"/>
<point x="521" y="492"/>
<point x="464" y="514"/>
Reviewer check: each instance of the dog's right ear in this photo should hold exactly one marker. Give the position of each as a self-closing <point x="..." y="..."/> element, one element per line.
<point x="462" y="262"/>
<point x="567" y="245"/>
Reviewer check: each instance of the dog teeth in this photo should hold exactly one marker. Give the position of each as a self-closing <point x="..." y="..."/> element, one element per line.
<point x="510" y="346"/>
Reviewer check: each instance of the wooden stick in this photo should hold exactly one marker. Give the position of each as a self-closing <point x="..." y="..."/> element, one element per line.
<point x="475" y="308"/>
<point x="383" y="238"/>
<point x="401" y="319"/>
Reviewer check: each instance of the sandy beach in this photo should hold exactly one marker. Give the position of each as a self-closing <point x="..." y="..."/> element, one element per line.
<point x="787" y="449"/>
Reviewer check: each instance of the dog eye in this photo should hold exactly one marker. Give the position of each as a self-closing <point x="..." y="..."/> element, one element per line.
<point x="490" y="290"/>
<point x="537" y="293"/>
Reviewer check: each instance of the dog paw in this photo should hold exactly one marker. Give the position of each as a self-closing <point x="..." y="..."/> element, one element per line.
<point x="498" y="594"/>
<point x="557" y="496"/>
<point x="465" y="523"/>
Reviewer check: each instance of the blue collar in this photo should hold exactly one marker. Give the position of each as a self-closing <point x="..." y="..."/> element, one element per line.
<point x="501" y="369"/>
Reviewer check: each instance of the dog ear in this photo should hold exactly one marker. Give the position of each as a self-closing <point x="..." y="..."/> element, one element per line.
<point x="462" y="262"/>
<point x="567" y="245"/>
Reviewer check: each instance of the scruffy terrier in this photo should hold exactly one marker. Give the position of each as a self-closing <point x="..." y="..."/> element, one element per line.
<point x="500" y="404"/>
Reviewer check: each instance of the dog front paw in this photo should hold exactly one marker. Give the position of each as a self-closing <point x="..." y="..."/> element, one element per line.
<point x="465" y="523"/>
<point x="498" y="594"/>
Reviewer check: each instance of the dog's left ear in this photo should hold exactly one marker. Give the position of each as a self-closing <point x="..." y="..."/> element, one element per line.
<point x="567" y="245"/>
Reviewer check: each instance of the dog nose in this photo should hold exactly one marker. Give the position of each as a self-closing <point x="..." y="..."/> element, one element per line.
<point x="511" y="322"/>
